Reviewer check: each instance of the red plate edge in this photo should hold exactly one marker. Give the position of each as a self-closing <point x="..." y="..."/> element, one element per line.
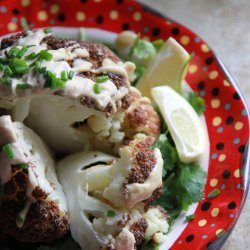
<point x="227" y="116"/>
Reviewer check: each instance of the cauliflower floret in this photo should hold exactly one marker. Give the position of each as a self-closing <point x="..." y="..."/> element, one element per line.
<point x="157" y="223"/>
<point x="107" y="128"/>
<point x="33" y="207"/>
<point x="140" y="117"/>
<point x="138" y="173"/>
<point x="105" y="196"/>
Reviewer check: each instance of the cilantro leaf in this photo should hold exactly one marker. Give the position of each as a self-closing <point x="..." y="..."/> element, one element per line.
<point x="196" y="102"/>
<point x="181" y="188"/>
<point x="192" y="179"/>
<point x="168" y="152"/>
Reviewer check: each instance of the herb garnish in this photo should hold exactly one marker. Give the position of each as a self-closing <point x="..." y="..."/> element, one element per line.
<point x="110" y="213"/>
<point x="96" y="88"/>
<point x="100" y="79"/>
<point x="213" y="193"/>
<point x="8" y="151"/>
<point x="183" y="183"/>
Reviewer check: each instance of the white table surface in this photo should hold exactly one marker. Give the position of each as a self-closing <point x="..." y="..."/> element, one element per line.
<point x="225" y="26"/>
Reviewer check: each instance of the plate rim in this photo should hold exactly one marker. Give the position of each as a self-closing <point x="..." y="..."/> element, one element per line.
<point x="217" y="244"/>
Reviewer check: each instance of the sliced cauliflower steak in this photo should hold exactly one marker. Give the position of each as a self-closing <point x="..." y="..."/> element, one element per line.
<point x="33" y="206"/>
<point x="109" y="196"/>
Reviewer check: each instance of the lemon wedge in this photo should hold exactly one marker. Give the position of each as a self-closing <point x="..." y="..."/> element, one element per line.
<point x="184" y="125"/>
<point x="168" y="68"/>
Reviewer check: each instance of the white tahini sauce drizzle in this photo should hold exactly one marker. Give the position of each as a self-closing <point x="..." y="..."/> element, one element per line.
<point x="77" y="87"/>
<point x="7" y="136"/>
<point x="32" y="38"/>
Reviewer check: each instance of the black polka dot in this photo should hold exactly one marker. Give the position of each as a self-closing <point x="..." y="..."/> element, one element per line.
<point x="209" y="60"/>
<point x="156" y="31"/>
<point x="175" y="31"/>
<point x="15" y="11"/>
<point x="220" y="146"/>
<point x="61" y="17"/>
<point x="125" y="26"/>
<point x="236" y="96"/>
<point x="241" y="148"/>
<point x="190" y="238"/>
<point x="99" y="19"/>
<point x="229" y="120"/>
<point x="119" y="1"/>
<point x="201" y="85"/>
<point x="231" y="205"/>
<point x="215" y="92"/>
<point x="226" y="174"/>
<point x="83" y="1"/>
<point x="205" y="206"/>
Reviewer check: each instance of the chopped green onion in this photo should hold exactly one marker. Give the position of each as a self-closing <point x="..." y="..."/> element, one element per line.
<point x="47" y="30"/>
<point x="45" y="55"/>
<point x="64" y="76"/>
<point x="22" y="52"/>
<point x="23" y="165"/>
<point x="110" y="213"/>
<point x="49" y="76"/>
<point x="23" y="86"/>
<point x="8" y="150"/>
<point x="24" y="23"/>
<point x="31" y="56"/>
<point x="97" y="88"/>
<point x="8" y="71"/>
<point x="190" y="217"/>
<point x="71" y="75"/>
<point x="100" y="79"/>
<point x="37" y="66"/>
<point x="213" y="193"/>
<point x="13" y="52"/>
<point x="19" y="66"/>
<point x="52" y="81"/>
<point x="1" y="66"/>
<point x="82" y="34"/>
<point x="33" y="64"/>
<point x="42" y="70"/>
<point x="57" y="83"/>
<point x="158" y="44"/>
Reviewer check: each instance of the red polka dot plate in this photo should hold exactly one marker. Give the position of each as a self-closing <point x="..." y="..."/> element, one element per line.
<point x="226" y="114"/>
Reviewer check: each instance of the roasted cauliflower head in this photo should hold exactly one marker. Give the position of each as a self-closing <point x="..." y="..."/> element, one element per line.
<point x="78" y="93"/>
<point x="33" y="206"/>
<point x="73" y="99"/>
<point x="108" y="197"/>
